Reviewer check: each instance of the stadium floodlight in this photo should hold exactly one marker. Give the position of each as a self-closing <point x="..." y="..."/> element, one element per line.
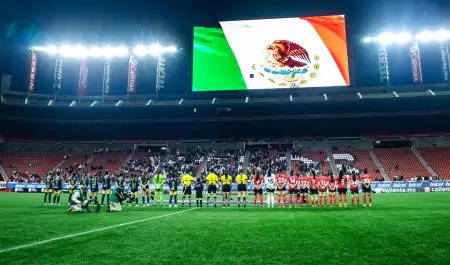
<point x="50" y="103"/>
<point x="325" y="96"/>
<point x="156" y="50"/>
<point x="213" y="101"/>
<point x="119" y="103"/>
<point x="442" y="35"/>
<point x="430" y="92"/>
<point x="52" y="49"/>
<point x="140" y="50"/>
<point x="73" y="51"/>
<point x="181" y="101"/>
<point x="246" y="99"/>
<point x="425" y="36"/>
<point x="386" y="38"/>
<point x="95" y="103"/>
<point x="359" y="95"/>
<point x="26" y="100"/>
<point x="367" y="40"/>
<point x="96" y="52"/>
<point x="403" y="37"/>
<point x="170" y="49"/>
<point x="73" y="104"/>
<point x="121" y="51"/>
<point x="395" y="94"/>
<point x="290" y="98"/>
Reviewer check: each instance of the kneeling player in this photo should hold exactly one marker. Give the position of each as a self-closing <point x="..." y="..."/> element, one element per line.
<point x="241" y="181"/>
<point x="257" y="189"/>
<point x="366" y="179"/>
<point x="342" y="188"/>
<point x="354" y="188"/>
<point x="313" y="184"/>
<point x="79" y="200"/>
<point x="199" y="192"/>
<point x="117" y="197"/>
<point x="332" y="190"/>
<point x="292" y="184"/>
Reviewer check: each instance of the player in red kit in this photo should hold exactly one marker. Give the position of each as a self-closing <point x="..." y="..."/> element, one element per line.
<point x="332" y="190"/>
<point x="303" y="192"/>
<point x="354" y="188"/>
<point x="281" y="187"/>
<point x="292" y="185"/>
<point x="366" y="180"/>
<point x="323" y="184"/>
<point x="342" y="188"/>
<point x="313" y="185"/>
<point x="257" y="188"/>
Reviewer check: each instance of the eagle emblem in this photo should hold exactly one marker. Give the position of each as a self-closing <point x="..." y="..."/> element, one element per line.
<point x="284" y="53"/>
<point x="287" y="64"/>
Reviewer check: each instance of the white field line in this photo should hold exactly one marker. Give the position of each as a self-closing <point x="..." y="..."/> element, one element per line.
<point x="89" y="232"/>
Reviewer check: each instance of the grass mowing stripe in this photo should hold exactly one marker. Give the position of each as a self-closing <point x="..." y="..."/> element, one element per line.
<point x="89" y="231"/>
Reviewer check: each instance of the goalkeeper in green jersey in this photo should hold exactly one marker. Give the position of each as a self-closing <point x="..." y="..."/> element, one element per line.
<point x="158" y="180"/>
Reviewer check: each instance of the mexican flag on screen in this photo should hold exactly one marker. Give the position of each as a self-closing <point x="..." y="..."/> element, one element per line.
<point x="271" y="53"/>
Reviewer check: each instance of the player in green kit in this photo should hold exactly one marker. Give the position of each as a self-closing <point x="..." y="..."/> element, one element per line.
<point x="158" y="181"/>
<point x="117" y="197"/>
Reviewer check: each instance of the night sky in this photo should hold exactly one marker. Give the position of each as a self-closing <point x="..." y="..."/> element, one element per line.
<point x="24" y="23"/>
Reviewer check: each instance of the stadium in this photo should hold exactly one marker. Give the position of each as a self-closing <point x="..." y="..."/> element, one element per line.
<point x="202" y="133"/>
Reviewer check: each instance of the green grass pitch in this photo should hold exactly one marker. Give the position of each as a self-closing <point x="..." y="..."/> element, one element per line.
<point x="399" y="229"/>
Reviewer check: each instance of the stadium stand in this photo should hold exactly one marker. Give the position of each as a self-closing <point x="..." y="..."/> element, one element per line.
<point x="356" y="159"/>
<point x="401" y="163"/>
<point x="107" y="161"/>
<point x="437" y="158"/>
<point x="30" y="162"/>
<point x="223" y="159"/>
<point x="265" y="158"/>
<point x="191" y="159"/>
<point x="141" y="161"/>
<point x="74" y="160"/>
<point x="308" y="160"/>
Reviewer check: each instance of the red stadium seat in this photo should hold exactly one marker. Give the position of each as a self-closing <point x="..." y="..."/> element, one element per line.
<point x="359" y="159"/>
<point x="437" y="158"/>
<point x="31" y="162"/>
<point x="401" y="162"/>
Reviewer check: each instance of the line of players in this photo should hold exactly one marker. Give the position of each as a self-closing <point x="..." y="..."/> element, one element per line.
<point x="301" y="188"/>
<point x="54" y="185"/>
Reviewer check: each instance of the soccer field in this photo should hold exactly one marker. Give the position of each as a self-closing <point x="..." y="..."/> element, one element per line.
<point x="399" y="229"/>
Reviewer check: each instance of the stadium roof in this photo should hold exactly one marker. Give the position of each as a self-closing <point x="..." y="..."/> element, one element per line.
<point x="307" y="95"/>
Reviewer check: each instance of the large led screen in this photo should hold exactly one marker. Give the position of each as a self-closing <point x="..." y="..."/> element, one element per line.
<point x="271" y="54"/>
